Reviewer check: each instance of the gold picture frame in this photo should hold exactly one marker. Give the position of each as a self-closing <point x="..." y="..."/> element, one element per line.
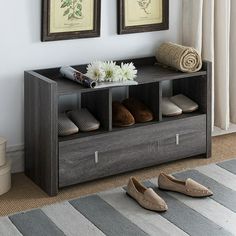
<point x="136" y="16"/>
<point x="70" y="19"/>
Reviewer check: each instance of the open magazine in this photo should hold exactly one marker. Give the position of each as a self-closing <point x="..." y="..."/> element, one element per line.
<point x="74" y="75"/>
<point x="115" y="84"/>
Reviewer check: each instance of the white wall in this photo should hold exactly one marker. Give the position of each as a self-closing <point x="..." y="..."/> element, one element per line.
<point x="21" y="49"/>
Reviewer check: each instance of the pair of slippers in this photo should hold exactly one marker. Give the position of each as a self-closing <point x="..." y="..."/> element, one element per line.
<point x="129" y="112"/>
<point x="74" y="121"/>
<point x="177" y="105"/>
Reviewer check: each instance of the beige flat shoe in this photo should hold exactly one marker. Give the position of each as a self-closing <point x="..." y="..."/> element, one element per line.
<point x="146" y="197"/>
<point x="189" y="187"/>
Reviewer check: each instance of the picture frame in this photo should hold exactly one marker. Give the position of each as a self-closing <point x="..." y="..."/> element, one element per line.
<point x="70" y="19"/>
<point x="137" y="16"/>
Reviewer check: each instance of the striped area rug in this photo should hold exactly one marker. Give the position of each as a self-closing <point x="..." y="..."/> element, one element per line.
<point x="114" y="213"/>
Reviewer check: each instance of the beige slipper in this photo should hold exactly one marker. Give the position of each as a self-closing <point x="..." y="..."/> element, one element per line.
<point x="186" y="104"/>
<point x="84" y="120"/>
<point x="146" y="197"/>
<point x="169" y="108"/>
<point x="66" y="126"/>
<point x="189" y="187"/>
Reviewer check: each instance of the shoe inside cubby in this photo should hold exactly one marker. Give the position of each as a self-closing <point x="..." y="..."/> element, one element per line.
<point x="194" y="88"/>
<point x="96" y="104"/>
<point x="127" y="99"/>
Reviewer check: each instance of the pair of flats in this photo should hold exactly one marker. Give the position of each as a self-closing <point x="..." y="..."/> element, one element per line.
<point x="129" y="112"/>
<point x="149" y="199"/>
<point x="176" y="105"/>
<point x="74" y="121"/>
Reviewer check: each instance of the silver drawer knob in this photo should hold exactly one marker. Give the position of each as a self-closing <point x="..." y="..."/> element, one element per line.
<point x="177" y="139"/>
<point x="96" y="157"/>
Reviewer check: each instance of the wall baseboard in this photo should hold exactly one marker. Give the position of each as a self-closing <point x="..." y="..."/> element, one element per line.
<point x="16" y="155"/>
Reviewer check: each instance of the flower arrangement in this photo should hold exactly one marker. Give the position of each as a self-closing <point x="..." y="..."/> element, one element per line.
<point x="95" y="71"/>
<point x="110" y="72"/>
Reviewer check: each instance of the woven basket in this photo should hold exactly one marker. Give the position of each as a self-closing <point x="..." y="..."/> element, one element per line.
<point x="5" y="178"/>
<point x="3" y="143"/>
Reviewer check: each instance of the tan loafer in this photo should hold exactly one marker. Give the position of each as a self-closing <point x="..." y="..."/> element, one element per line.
<point x="146" y="197"/>
<point x="188" y="187"/>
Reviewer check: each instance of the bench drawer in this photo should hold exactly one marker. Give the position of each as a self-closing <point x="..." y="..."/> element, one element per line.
<point x="117" y="152"/>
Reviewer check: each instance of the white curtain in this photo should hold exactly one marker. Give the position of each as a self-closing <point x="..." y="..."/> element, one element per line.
<point x="210" y="27"/>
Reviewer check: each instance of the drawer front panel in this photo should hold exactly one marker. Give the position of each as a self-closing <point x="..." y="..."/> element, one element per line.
<point x="102" y="164"/>
<point x="96" y="157"/>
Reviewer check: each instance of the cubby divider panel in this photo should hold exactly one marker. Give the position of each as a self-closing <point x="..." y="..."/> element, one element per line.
<point x="150" y="94"/>
<point x="99" y="103"/>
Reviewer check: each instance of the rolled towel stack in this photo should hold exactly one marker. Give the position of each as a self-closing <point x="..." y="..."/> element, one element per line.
<point x="185" y="59"/>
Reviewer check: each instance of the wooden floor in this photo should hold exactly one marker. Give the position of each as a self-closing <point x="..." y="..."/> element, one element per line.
<point x="26" y="195"/>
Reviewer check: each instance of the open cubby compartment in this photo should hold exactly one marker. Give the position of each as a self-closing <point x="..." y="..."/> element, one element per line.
<point x="149" y="94"/>
<point x="98" y="103"/>
<point x="194" y="88"/>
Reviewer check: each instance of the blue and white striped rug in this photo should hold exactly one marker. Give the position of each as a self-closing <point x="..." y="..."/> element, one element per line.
<point x="114" y="213"/>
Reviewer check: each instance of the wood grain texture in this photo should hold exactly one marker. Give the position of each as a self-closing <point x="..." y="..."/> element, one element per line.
<point x="130" y="149"/>
<point x="118" y="150"/>
<point x="199" y="89"/>
<point x="149" y="94"/>
<point x="208" y="67"/>
<point x="41" y="132"/>
<point x="148" y="72"/>
<point x="100" y="104"/>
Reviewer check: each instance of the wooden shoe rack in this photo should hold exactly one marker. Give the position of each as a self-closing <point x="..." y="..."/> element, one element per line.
<point x="54" y="163"/>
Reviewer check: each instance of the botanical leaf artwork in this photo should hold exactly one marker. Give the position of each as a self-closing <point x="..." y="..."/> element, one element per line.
<point x="73" y="9"/>
<point x="144" y="4"/>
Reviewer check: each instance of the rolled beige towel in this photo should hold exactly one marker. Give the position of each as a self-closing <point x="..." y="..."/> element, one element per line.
<point x="185" y="59"/>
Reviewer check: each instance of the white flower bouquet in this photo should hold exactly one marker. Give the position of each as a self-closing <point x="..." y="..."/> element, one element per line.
<point x="110" y="72"/>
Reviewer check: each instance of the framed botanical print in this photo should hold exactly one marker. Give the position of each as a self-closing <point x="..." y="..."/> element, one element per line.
<point x="70" y="19"/>
<point x="136" y="16"/>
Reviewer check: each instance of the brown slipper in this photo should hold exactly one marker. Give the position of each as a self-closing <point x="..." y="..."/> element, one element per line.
<point x="121" y="117"/>
<point x="140" y="112"/>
